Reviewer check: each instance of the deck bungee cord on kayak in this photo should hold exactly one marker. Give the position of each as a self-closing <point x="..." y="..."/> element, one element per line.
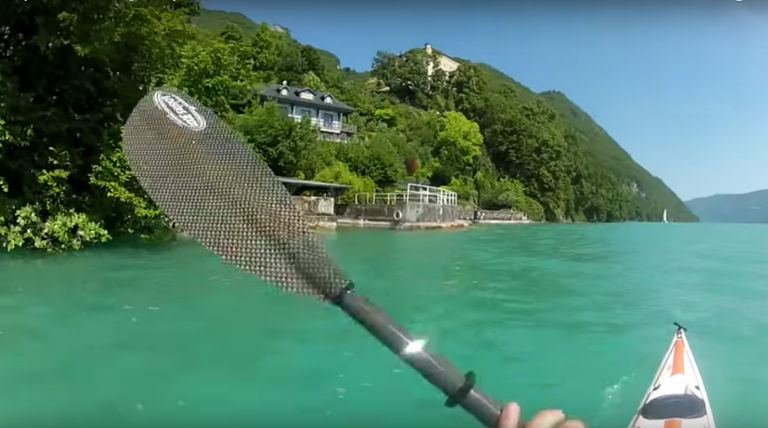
<point x="219" y="192"/>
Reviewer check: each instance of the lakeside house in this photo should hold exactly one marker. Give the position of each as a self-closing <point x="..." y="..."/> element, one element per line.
<point x="323" y="110"/>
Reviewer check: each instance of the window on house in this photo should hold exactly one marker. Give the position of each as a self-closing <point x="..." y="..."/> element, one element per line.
<point x="328" y="119"/>
<point x="328" y="99"/>
<point x="307" y="94"/>
<point x="283" y="91"/>
<point x="305" y="112"/>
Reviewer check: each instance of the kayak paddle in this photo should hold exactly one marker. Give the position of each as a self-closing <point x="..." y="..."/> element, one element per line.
<point x="194" y="166"/>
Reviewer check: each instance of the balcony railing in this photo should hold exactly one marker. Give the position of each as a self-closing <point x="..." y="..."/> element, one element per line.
<point x="327" y="125"/>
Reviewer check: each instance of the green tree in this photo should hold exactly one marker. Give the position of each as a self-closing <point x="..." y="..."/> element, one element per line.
<point x="126" y="209"/>
<point x="311" y="80"/>
<point x="466" y="86"/>
<point x="216" y="73"/>
<point x="69" y="77"/>
<point x="458" y="146"/>
<point x="405" y="75"/>
<point x="289" y="148"/>
<point x="316" y="155"/>
<point x="265" y="48"/>
<point x="387" y="116"/>
<point x="378" y="156"/>
<point x="527" y="142"/>
<point x="339" y="173"/>
<point x="420" y="129"/>
<point x="311" y="62"/>
<point x="465" y="190"/>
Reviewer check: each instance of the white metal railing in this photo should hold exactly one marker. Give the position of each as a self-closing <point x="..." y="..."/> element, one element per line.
<point x="326" y="125"/>
<point x="381" y="198"/>
<point x="413" y="193"/>
<point x="430" y="194"/>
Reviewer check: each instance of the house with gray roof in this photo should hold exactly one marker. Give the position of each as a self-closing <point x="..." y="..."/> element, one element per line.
<point x="324" y="111"/>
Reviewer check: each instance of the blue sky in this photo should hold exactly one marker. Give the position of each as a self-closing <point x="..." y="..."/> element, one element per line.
<point x="682" y="85"/>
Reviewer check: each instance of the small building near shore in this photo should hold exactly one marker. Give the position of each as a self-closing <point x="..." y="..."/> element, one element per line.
<point x="320" y="205"/>
<point x="295" y="185"/>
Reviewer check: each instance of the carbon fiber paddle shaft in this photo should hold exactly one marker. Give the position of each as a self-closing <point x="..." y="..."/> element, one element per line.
<point x="438" y="371"/>
<point x="218" y="191"/>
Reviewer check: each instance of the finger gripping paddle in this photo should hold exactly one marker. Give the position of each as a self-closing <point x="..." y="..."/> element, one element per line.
<point x="217" y="190"/>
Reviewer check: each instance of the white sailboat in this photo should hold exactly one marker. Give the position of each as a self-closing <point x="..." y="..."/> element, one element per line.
<point x="664" y="217"/>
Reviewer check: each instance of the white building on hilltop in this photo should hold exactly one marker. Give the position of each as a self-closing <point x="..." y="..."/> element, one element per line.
<point x="444" y="62"/>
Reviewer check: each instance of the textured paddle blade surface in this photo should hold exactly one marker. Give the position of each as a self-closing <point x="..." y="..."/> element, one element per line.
<point x="194" y="166"/>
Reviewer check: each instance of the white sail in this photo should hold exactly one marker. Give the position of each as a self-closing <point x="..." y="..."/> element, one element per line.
<point x="664" y="219"/>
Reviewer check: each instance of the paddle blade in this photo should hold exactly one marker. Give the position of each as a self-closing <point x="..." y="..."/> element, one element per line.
<point x="194" y="166"/>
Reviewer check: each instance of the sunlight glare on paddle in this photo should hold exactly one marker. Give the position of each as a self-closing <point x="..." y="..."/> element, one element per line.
<point x="415" y="346"/>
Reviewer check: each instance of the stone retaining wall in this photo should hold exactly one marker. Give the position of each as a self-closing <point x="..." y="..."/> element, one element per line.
<point x="500" y="215"/>
<point x="413" y="212"/>
<point x="416" y="212"/>
<point x="402" y="215"/>
<point x="464" y="213"/>
<point x="371" y="212"/>
<point x="314" y="205"/>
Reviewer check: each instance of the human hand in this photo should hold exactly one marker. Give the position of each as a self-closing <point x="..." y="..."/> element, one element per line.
<point x="510" y="418"/>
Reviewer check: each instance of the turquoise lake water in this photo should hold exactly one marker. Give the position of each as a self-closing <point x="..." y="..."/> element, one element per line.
<point x="569" y="316"/>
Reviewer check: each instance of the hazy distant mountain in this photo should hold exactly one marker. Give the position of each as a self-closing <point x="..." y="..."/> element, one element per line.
<point x="749" y="207"/>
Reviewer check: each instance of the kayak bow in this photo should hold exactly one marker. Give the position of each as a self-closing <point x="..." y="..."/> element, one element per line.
<point x="677" y="397"/>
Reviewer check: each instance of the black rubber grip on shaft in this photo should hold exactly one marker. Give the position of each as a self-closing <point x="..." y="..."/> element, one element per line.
<point x="456" y="397"/>
<point x="458" y="387"/>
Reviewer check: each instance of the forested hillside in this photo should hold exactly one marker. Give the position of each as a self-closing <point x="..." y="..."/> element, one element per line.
<point x="214" y="21"/>
<point x="612" y="169"/>
<point x="75" y="71"/>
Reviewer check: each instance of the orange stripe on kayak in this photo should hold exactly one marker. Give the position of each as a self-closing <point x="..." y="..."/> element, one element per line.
<point x="678" y="360"/>
<point x="673" y="423"/>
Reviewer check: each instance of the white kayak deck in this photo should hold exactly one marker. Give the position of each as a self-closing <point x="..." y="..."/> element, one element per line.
<point x="677" y="397"/>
